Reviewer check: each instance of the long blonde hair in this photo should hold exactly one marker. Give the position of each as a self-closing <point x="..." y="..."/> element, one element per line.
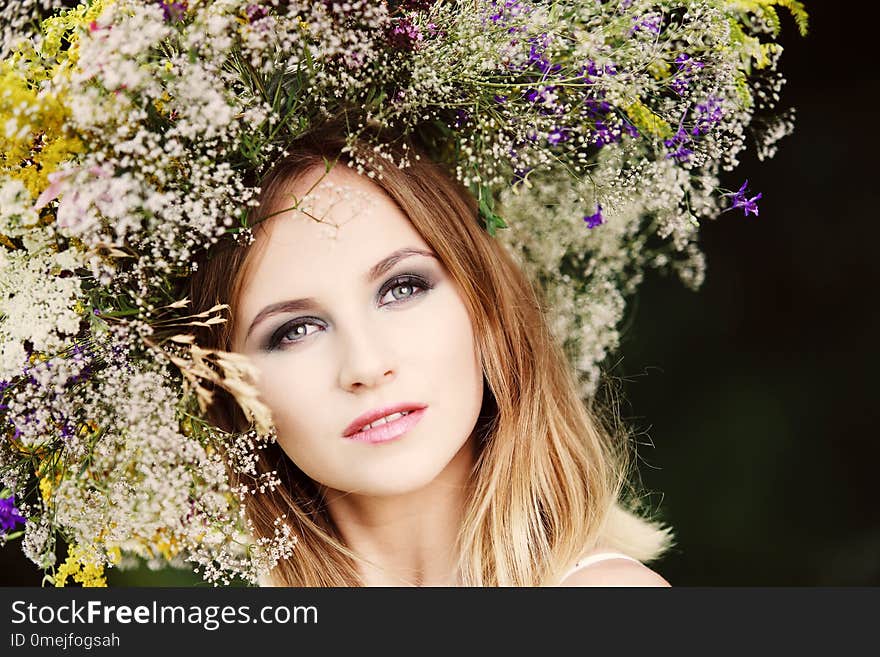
<point x="551" y="474"/>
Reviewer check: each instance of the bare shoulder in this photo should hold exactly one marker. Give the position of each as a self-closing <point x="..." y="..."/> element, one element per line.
<point x="615" y="572"/>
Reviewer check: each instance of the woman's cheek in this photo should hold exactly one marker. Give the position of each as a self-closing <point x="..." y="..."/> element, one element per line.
<point x="289" y="389"/>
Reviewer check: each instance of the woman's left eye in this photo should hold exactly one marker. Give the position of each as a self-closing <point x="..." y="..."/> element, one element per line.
<point x="407" y="287"/>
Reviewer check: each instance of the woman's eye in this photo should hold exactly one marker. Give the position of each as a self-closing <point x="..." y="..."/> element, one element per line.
<point x="405" y="288"/>
<point x="295" y="332"/>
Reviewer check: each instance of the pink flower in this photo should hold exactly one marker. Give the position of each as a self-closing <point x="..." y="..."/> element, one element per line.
<point x="70" y="211"/>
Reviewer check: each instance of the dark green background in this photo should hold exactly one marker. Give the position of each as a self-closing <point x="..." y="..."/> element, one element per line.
<point x="758" y="392"/>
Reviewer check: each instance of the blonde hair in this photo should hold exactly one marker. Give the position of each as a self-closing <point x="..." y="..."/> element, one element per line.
<point x="550" y="478"/>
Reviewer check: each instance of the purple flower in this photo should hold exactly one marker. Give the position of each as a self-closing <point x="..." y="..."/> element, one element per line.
<point x="499" y="99"/>
<point x="686" y="66"/>
<point x="680" y="85"/>
<point x="597" y="219"/>
<point x="542" y="96"/>
<point x="708" y="114"/>
<point x="173" y="11"/>
<point x="404" y="35"/>
<point x="506" y="10"/>
<point x="648" y="23"/>
<point x="544" y="65"/>
<point x="255" y="13"/>
<point x="603" y="134"/>
<point x="556" y="136"/>
<point x="418" y="5"/>
<point x="596" y="108"/>
<point x="681" y="60"/>
<point x="591" y="70"/>
<point x="679" y="142"/>
<point x="519" y="175"/>
<point x="739" y="200"/>
<point x="536" y="54"/>
<point x="10" y="516"/>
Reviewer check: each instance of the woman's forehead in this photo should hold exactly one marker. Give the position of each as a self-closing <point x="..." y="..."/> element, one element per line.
<point x="332" y="217"/>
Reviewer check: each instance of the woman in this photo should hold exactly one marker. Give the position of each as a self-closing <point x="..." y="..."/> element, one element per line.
<point x="381" y="294"/>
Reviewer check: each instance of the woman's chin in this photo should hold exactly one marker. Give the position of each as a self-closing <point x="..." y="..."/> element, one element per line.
<point x="391" y="478"/>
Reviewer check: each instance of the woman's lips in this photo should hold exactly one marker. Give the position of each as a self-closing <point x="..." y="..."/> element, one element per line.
<point x="390" y="430"/>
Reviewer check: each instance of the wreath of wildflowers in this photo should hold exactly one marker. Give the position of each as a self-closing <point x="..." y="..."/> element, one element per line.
<point x="134" y="134"/>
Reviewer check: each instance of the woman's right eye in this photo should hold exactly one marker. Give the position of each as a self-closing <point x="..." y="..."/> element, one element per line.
<point x="296" y="330"/>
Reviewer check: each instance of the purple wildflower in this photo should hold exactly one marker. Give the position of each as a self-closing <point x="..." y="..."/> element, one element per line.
<point x="499" y="99"/>
<point x="596" y="219"/>
<point x="596" y="108"/>
<point x="679" y="142"/>
<point x="680" y="84"/>
<point x="10" y="516"/>
<point x="556" y="136"/>
<point x="648" y="23"/>
<point x="404" y="35"/>
<point x="519" y="175"/>
<point x="603" y="134"/>
<point x="739" y="200"/>
<point x="542" y="96"/>
<point x="173" y="11"/>
<point x="505" y="11"/>
<point x="708" y="114"/>
<point x="544" y="65"/>
<point x="536" y="54"/>
<point x="418" y="5"/>
<point x="255" y="13"/>
<point x="592" y="70"/>
<point x="686" y="67"/>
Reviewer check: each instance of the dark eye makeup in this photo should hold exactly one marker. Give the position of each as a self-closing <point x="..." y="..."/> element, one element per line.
<point x="417" y="284"/>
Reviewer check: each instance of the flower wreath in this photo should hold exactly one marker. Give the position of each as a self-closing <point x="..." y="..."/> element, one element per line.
<point x="134" y="133"/>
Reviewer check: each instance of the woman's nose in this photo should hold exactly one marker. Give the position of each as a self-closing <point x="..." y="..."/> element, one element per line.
<point x="367" y="361"/>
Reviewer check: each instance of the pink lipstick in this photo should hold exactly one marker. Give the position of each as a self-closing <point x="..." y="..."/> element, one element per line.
<point x="389" y="430"/>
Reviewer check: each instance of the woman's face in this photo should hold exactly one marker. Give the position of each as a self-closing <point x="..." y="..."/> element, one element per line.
<point x="371" y="329"/>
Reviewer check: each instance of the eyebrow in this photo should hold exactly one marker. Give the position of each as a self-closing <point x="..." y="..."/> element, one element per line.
<point x="377" y="270"/>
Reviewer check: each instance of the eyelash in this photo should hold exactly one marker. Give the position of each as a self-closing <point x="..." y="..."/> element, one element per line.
<point x="408" y="280"/>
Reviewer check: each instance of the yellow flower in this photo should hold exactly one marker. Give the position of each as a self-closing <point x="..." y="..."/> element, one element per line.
<point x="46" y="490"/>
<point x="114" y="554"/>
<point x="49" y="476"/>
<point x="659" y="69"/>
<point x="647" y="122"/>
<point x="83" y="566"/>
<point x="36" y="140"/>
<point x="167" y="547"/>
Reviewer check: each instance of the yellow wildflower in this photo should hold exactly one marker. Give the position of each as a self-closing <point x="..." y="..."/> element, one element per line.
<point x="647" y="122"/>
<point x="83" y="566"/>
<point x="659" y="69"/>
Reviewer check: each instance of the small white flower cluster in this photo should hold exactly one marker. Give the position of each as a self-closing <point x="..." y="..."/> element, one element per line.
<point x="134" y="135"/>
<point x="36" y="303"/>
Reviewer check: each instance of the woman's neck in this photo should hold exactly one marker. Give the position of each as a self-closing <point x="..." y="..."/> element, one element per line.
<point x="409" y="539"/>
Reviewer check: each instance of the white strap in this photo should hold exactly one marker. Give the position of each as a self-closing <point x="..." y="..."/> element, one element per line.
<point x="593" y="558"/>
